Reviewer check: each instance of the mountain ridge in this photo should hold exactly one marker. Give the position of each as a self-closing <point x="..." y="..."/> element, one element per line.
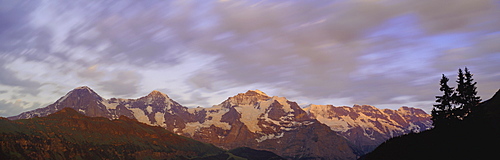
<point x="251" y="119"/>
<point x="367" y="126"/>
<point x="67" y="134"/>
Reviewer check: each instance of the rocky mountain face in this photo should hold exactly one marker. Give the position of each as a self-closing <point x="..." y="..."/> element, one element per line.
<point x="155" y="109"/>
<point x="68" y="134"/>
<point x="367" y="126"/>
<point x="250" y="119"/>
<point x="256" y="120"/>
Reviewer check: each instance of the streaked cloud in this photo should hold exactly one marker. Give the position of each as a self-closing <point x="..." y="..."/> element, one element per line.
<point x="350" y="51"/>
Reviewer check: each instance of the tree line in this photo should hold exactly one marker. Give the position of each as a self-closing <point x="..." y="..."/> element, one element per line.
<point x="458" y="103"/>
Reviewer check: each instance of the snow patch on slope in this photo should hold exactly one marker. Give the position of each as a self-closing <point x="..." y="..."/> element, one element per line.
<point x="335" y="125"/>
<point x="160" y="119"/>
<point x="250" y="116"/>
<point x="367" y="118"/>
<point x="270" y="136"/>
<point x="110" y="105"/>
<point x="213" y="117"/>
<point x="140" y="115"/>
<point x="149" y="109"/>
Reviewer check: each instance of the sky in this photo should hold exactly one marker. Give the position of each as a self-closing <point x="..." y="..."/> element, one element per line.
<point x="385" y="53"/>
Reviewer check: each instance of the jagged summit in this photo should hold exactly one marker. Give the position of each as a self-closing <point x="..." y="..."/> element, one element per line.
<point x="254" y="93"/>
<point x="258" y="92"/>
<point x="369" y="126"/>
<point x="156" y="93"/>
<point x="82" y="91"/>
<point x="83" y="87"/>
<point x="247" y="98"/>
<point x="411" y="111"/>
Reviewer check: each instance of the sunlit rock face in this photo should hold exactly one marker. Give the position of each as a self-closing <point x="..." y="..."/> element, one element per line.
<point x="83" y="99"/>
<point x="155" y="109"/>
<point x="252" y="119"/>
<point x="367" y="126"/>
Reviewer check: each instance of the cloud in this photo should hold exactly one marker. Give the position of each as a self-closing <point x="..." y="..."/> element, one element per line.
<point x="454" y="15"/>
<point x="12" y="108"/>
<point x="10" y="78"/>
<point x="123" y="83"/>
<point x="91" y="72"/>
<point x="319" y="50"/>
<point x="363" y="51"/>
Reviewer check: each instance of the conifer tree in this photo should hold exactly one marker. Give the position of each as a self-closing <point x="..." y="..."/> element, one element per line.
<point x="465" y="96"/>
<point x="442" y="113"/>
<point x="456" y="104"/>
<point x="458" y="96"/>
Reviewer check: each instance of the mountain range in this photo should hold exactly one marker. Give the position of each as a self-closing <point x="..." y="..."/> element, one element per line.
<point x="68" y="134"/>
<point x="366" y="126"/>
<point x="256" y="120"/>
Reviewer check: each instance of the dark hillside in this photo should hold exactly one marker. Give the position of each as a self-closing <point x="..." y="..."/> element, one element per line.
<point x="69" y="135"/>
<point x="477" y="137"/>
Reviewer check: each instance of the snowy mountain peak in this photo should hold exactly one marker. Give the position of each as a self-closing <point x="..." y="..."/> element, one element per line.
<point x="83" y="91"/>
<point x="369" y="126"/>
<point x="258" y="92"/>
<point x="83" y="87"/>
<point x="411" y="111"/>
<point x="365" y="107"/>
<point x="249" y="98"/>
<point x="156" y="93"/>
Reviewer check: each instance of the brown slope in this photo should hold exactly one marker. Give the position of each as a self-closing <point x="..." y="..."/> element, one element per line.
<point x="69" y="135"/>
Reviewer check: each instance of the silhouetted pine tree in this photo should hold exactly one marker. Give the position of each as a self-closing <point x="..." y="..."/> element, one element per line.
<point x="443" y="112"/>
<point x="465" y="96"/>
<point x="456" y="104"/>
<point x="459" y="94"/>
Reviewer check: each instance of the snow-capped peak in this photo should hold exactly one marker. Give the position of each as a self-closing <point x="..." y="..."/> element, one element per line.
<point x="80" y="92"/>
<point x="157" y="93"/>
<point x="83" y="87"/>
<point x="251" y="97"/>
<point x="258" y="92"/>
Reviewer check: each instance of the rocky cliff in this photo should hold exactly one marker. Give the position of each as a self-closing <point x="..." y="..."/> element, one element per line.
<point x="367" y="126"/>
